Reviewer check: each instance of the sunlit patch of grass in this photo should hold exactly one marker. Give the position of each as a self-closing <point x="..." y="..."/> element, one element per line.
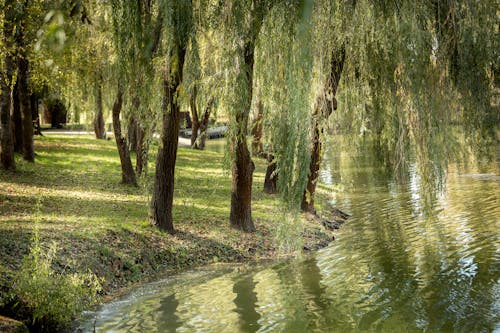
<point x="102" y="225"/>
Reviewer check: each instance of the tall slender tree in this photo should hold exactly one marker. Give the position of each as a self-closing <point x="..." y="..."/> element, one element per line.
<point x="6" y="84"/>
<point x="23" y="85"/>
<point x="99" y="125"/>
<point x="180" y="28"/>
<point x="257" y="146"/>
<point x="205" y="117"/>
<point x="326" y="103"/>
<point x="128" y="174"/>
<point x="285" y="91"/>
<point x="194" y="116"/>
<point x="137" y="39"/>
<point x="17" y="122"/>
<point x="248" y="20"/>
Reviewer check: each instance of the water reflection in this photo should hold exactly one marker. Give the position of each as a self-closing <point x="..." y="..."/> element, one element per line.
<point x="246" y="302"/>
<point x="167" y="314"/>
<point x="209" y="307"/>
<point x="400" y="265"/>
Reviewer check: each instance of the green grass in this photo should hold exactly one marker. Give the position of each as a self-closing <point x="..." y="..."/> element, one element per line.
<point x="102" y="225"/>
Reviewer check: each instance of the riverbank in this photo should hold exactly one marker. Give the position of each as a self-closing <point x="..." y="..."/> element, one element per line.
<point x="72" y="197"/>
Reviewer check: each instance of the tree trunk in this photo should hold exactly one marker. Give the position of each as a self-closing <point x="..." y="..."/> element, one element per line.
<point x="25" y="103"/>
<point x="35" y="114"/>
<point x="23" y="88"/>
<point x="141" y="149"/>
<point x="132" y="134"/>
<point x="7" y="140"/>
<point x="137" y="139"/>
<point x="204" y="124"/>
<point x="17" y="120"/>
<point x="100" y="131"/>
<point x="271" y="176"/>
<point x="128" y="174"/>
<point x="194" y="118"/>
<point x="308" y="197"/>
<point x="257" y="148"/>
<point x="325" y="105"/>
<point x="6" y="136"/>
<point x="241" y="186"/>
<point x="243" y="167"/>
<point x="163" y="191"/>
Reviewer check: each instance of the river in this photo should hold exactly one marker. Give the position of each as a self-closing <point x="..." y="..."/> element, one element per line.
<point x="400" y="264"/>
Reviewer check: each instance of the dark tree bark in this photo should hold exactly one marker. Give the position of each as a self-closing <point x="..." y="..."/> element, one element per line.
<point x="100" y="131"/>
<point x="243" y="167"/>
<point x="25" y="103"/>
<point x="35" y="114"/>
<point x="142" y="148"/>
<point x="6" y="136"/>
<point x="23" y="87"/>
<point x="271" y="179"/>
<point x="257" y="147"/>
<point x="128" y="174"/>
<point x="132" y="134"/>
<point x="241" y="187"/>
<point x="308" y="197"/>
<point x="194" y="118"/>
<point x="325" y="105"/>
<point x="163" y="190"/>
<point x="17" y="121"/>
<point x="137" y="139"/>
<point x="204" y="124"/>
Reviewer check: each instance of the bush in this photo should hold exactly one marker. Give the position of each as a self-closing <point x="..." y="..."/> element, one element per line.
<point x="52" y="298"/>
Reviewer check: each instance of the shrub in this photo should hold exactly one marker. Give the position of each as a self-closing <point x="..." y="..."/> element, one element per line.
<point x="52" y="298"/>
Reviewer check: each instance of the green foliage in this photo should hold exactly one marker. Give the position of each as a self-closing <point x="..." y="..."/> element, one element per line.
<point x="52" y="297"/>
<point x="288" y="233"/>
<point x="413" y="71"/>
<point x="286" y="94"/>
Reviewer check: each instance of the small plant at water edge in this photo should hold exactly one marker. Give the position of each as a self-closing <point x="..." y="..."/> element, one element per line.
<point x="51" y="298"/>
<point x="288" y="233"/>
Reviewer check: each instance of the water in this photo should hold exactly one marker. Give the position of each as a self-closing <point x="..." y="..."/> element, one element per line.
<point x="401" y="264"/>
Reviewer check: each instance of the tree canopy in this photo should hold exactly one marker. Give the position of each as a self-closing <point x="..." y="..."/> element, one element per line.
<point x="410" y="76"/>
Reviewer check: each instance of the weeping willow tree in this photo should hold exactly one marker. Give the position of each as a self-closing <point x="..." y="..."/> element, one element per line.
<point x="299" y="93"/>
<point x="202" y="78"/>
<point x="178" y="25"/>
<point x="137" y="31"/>
<point x="89" y="64"/>
<point x="415" y="69"/>
<point x="242" y="22"/>
<point x="284" y="70"/>
<point x="203" y="81"/>
<point x="403" y="73"/>
<point x="144" y="57"/>
<point x="6" y="80"/>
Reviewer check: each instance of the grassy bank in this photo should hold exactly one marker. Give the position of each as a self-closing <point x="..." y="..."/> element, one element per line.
<point x="72" y="196"/>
